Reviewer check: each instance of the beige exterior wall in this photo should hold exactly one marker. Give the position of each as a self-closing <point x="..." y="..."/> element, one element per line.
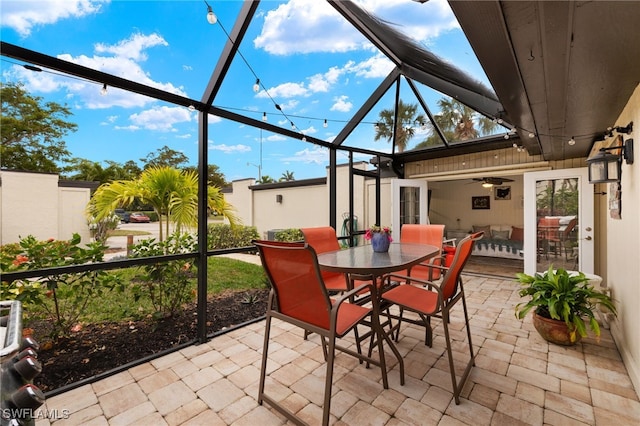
<point x="301" y="206"/>
<point x="623" y="242"/>
<point x="34" y="204"/>
<point x="240" y="198"/>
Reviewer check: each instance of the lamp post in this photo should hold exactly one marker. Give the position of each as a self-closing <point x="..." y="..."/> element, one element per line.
<point x="259" y="170"/>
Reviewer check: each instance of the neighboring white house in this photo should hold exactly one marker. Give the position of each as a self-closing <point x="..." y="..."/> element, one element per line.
<point x="42" y="205"/>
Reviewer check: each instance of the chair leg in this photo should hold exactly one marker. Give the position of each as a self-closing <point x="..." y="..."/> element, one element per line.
<point x="263" y="366"/>
<point x="326" y="408"/>
<point x="457" y="387"/>
<point x="399" y="323"/>
<point x="452" y="370"/>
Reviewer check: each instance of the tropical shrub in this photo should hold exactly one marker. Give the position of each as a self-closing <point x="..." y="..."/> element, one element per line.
<point x="167" y="284"/>
<point x="289" y="235"/>
<point x="62" y="296"/>
<point x="100" y="227"/>
<point x="222" y="236"/>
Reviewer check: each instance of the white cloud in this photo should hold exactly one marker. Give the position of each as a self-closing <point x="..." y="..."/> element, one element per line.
<point x="122" y="64"/>
<point x="342" y="104"/>
<point x="230" y="149"/>
<point x="275" y="138"/>
<point x="323" y="82"/>
<point x="23" y="15"/>
<point x="285" y="90"/>
<point x="132" y="48"/>
<point x="161" y="118"/>
<point x="304" y="26"/>
<point x="317" y="155"/>
<point x="377" y="66"/>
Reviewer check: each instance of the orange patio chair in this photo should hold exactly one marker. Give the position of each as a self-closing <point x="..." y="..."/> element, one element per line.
<point x="298" y="296"/>
<point x="324" y="239"/>
<point x="430" y="234"/>
<point x="428" y="299"/>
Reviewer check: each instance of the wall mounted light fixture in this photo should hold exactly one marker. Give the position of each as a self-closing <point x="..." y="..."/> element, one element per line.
<point x="607" y="167"/>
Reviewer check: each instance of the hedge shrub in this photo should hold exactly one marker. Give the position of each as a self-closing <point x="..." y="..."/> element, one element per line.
<point x="221" y="236"/>
<point x="291" y="234"/>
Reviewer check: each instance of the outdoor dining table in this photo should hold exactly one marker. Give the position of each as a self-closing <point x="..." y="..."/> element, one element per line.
<point x="363" y="261"/>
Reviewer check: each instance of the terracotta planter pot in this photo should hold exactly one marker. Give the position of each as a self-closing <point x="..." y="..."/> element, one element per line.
<point x="554" y="331"/>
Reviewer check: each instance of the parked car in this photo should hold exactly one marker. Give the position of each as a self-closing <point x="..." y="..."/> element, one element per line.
<point x="124" y="216"/>
<point x="139" y="218"/>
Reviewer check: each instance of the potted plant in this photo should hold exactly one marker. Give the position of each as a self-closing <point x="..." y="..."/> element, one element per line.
<point x="562" y="300"/>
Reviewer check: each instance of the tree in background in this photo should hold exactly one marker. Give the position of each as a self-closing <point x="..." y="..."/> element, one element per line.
<point x="404" y="128"/>
<point x="166" y="157"/>
<point x="286" y="176"/>
<point x="32" y="131"/>
<point x="266" y="179"/>
<point x="457" y="122"/>
<point x="82" y="169"/>
<point x="172" y="193"/>
<point x="214" y="176"/>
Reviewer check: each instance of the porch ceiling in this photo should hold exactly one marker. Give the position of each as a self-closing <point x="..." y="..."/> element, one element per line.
<point x="561" y="69"/>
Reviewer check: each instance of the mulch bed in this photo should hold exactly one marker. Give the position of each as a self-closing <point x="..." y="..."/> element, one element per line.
<point x="97" y="348"/>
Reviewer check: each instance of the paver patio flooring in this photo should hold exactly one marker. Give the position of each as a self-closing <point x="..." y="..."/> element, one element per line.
<point x="518" y="379"/>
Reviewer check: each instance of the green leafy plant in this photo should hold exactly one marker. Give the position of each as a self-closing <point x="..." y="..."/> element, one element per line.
<point x="62" y="296"/>
<point x="290" y="234"/>
<point x="168" y="285"/>
<point x="564" y="296"/>
<point x="222" y="236"/>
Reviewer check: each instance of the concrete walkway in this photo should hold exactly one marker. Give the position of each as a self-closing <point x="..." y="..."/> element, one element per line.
<point x="519" y="379"/>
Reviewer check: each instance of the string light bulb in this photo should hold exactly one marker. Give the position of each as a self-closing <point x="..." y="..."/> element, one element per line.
<point x="572" y="141"/>
<point x="325" y="124"/>
<point x="103" y="91"/>
<point x="264" y="116"/>
<point x="211" y="17"/>
<point x="293" y="126"/>
<point x="256" y="86"/>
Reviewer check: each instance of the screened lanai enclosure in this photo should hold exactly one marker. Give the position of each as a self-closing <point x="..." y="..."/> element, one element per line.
<point x="418" y="104"/>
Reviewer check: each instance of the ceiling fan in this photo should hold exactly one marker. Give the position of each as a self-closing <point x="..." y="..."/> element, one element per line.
<point x="488" y="182"/>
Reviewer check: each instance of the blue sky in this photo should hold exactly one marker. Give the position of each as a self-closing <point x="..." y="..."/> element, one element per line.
<point x="308" y="59"/>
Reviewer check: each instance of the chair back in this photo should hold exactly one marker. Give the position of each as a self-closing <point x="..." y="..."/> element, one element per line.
<point x="549" y="228"/>
<point x="422" y="234"/>
<point x="322" y="238"/>
<point x="296" y="281"/>
<point x="431" y="234"/>
<point x="451" y="278"/>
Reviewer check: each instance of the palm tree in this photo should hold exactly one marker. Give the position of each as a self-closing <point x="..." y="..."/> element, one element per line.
<point x="404" y="128"/>
<point x="172" y="193"/>
<point x="287" y="176"/>
<point x="266" y="179"/>
<point x="457" y="122"/>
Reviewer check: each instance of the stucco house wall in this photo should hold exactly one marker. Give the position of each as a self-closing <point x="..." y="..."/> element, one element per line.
<point x="41" y="205"/>
<point x="623" y="242"/>
<point x="295" y="204"/>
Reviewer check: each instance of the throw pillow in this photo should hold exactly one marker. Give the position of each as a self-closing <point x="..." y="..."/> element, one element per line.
<point x="500" y="235"/>
<point x="517" y="234"/>
<point x="484" y="228"/>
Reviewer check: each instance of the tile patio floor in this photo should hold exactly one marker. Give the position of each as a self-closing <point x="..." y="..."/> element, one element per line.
<point x="518" y="379"/>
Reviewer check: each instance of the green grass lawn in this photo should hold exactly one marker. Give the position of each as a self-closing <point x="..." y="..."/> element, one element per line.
<point x="223" y="274"/>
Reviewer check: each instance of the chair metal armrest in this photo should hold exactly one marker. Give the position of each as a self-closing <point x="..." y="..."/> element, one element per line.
<point x="353" y="292"/>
